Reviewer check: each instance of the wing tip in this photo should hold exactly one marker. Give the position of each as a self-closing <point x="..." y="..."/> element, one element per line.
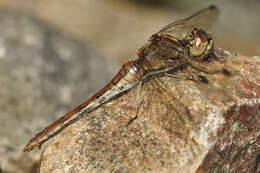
<point x="212" y="7"/>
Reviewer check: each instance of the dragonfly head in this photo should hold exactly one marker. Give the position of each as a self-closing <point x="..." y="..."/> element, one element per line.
<point x="200" y="44"/>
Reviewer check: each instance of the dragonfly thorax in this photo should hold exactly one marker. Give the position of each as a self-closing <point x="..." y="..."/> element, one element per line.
<point x="161" y="51"/>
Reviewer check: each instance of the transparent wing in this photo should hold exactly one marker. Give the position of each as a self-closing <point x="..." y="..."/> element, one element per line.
<point x="203" y="19"/>
<point x="163" y="106"/>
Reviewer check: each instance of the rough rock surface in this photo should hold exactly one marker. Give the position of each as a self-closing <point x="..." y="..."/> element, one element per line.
<point x="43" y="74"/>
<point x="183" y="126"/>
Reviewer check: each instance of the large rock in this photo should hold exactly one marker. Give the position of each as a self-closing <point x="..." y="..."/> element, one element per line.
<point x="183" y="126"/>
<point x="43" y="74"/>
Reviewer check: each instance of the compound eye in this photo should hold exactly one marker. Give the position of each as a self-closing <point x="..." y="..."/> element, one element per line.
<point x="200" y="43"/>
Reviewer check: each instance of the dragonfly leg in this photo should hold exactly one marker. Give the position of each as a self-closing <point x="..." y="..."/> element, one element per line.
<point x="192" y="77"/>
<point x="195" y="78"/>
<point x="205" y="70"/>
<point x="138" y="102"/>
<point x="217" y="58"/>
<point x="179" y="76"/>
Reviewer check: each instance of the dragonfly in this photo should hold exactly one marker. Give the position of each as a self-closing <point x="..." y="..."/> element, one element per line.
<point x="178" y="45"/>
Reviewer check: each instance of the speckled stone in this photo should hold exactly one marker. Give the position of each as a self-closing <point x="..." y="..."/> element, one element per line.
<point x="183" y="126"/>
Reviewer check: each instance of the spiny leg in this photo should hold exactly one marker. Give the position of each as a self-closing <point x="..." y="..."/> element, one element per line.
<point x="212" y="56"/>
<point x="205" y="70"/>
<point x="179" y="76"/>
<point x="138" y="102"/>
<point x="191" y="77"/>
<point x="196" y="65"/>
<point x="145" y="78"/>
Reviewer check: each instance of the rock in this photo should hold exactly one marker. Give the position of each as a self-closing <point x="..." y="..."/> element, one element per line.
<point x="44" y="73"/>
<point x="182" y="126"/>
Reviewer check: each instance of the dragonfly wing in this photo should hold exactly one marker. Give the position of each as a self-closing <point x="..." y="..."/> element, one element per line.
<point x="162" y="106"/>
<point x="203" y="19"/>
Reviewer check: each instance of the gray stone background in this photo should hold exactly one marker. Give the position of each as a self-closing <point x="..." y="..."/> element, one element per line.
<point x="55" y="54"/>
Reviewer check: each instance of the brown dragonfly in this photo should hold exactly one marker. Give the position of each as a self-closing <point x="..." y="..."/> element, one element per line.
<point x="176" y="46"/>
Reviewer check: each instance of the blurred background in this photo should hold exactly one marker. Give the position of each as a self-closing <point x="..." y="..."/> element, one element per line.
<point x="55" y="54"/>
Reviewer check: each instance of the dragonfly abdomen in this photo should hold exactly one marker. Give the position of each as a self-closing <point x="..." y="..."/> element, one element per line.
<point x="124" y="80"/>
